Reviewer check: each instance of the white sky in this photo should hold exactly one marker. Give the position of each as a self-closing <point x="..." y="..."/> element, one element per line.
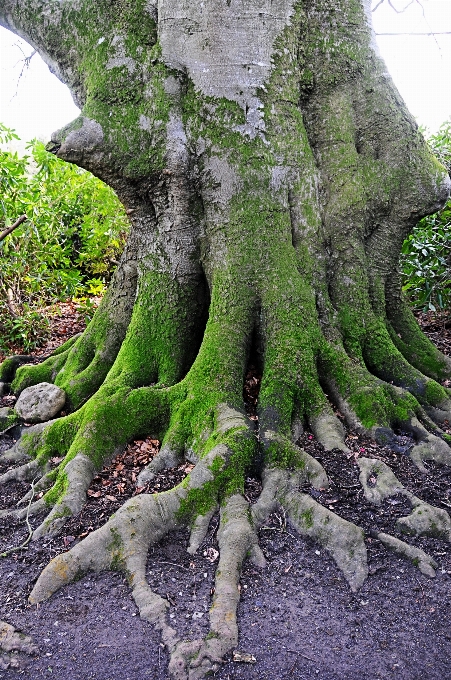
<point x="38" y="104"/>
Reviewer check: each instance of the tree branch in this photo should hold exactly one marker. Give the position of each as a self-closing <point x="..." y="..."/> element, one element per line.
<point x="400" y="11"/>
<point x="39" y="22"/>
<point x="10" y="229"/>
<point x="378" y="5"/>
<point x="432" y="33"/>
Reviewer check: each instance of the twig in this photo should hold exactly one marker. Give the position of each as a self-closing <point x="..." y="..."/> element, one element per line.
<point x="294" y="651"/>
<point x="26" y="64"/>
<point x="400" y="11"/>
<point x="16" y="224"/>
<point x="432" y="33"/>
<point x="173" y="564"/>
<point x="10" y="303"/>
<point x="279" y="529"/>
<point x="30" y="529"/>
<point x="422" y="590"/>
<point x="378" y="5"/>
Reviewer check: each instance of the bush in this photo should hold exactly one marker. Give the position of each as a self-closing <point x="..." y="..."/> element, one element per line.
<point x="426" y="253"/>
<point x="67" y="248"/>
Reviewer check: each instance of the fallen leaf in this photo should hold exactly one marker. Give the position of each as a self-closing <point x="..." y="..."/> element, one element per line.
<point x="244" y="657"/>
<point x="211" y="554"/>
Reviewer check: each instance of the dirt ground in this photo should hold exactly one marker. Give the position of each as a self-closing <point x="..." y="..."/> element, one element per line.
<point x="297" y="616"/>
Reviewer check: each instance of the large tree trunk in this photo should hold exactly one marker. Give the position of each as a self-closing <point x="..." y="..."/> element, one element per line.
<point x="271" y="172"/>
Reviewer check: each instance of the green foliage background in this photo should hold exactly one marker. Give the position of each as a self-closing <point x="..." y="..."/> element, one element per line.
<point x="67" y="248"/>
<point x="426" y="253"/>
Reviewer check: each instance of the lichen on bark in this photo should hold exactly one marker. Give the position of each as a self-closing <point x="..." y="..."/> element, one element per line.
<point x="271" y="172"/>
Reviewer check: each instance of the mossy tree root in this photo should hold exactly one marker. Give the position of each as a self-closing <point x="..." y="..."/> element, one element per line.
<point x="85" y="440"/>
<point x="376" y="408"/>
<point x="408" y="337"/>
<point x="122" y="543"/>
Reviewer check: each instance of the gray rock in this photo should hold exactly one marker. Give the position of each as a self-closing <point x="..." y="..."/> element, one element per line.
<point x="2" y="389"/>
<point x="40" y="403"/>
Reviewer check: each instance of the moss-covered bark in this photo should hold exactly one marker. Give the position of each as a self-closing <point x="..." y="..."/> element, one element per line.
<point x="271" y="173"/>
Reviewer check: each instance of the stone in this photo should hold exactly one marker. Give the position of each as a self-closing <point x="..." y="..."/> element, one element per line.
<point x="40" y="403"/>
<point x="2" y="389"/>
<point x="13" y="640"/>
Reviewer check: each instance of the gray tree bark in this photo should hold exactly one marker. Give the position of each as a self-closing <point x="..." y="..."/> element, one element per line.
<point x="272" y="172"/>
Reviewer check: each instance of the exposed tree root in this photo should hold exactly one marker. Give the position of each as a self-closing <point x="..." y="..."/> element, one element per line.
<point x="329" y="432"/>
<point x="123" y="542"/>
<point x="426" y="564"/>
<point x="22" y="473"/>
<point x="343" y="540"/>
<point x="224" y="444"/>
<point x="379" y="482"/>
<point x="11" y="643"/>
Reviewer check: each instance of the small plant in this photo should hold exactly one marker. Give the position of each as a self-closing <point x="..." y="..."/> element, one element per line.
<point x="26" y="331"/>
<point x="66" y="248"/>
<point x="426" y="253"/>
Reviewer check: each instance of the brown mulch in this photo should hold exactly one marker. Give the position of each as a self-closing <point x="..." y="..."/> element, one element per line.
<point x="297" y="616"/>
<point x="437" y="327"/>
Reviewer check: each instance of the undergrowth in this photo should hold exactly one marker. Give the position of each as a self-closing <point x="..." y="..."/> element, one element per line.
<point x="426" y="253"/>
<point x="68" y="246"/>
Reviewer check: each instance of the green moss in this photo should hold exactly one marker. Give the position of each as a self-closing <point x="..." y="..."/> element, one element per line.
<point x="435" y="394"/>
<point x="282" y="453"/>
<point x="116" y="548"/>
<point x="375" y="403"/>
<point x="34" y="374"/>
<point x="59" y="514"/>
<point x="66" y="345"/>
<point x="307" y="518"/>
<point x="58" y="491"/>
<point x="8" y="369"/>
<point x="212" y="635"/>
<point x="416" y="347"/>
<point x="228" y="474"/>
<point x="8" y="420"/>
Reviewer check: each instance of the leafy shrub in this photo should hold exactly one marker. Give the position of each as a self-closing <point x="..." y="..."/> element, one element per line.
<point x="68" y="247"/>
<point x="426" y="253"/>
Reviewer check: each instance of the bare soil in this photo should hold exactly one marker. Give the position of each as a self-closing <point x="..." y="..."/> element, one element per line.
<point x="297" y="616"/>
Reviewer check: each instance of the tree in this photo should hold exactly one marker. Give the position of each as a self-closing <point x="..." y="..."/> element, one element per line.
<point x="272" y="173"/>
